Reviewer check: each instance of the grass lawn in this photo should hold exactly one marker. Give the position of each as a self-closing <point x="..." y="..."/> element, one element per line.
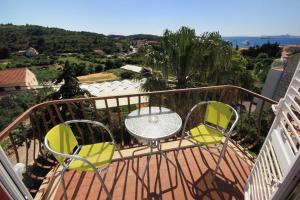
<point x="117" y="71"/>
<point x="3" y="63"/>
<point x="46" y="73"/>
<point x="98" y="77"/>
<point x="4" y="60"/>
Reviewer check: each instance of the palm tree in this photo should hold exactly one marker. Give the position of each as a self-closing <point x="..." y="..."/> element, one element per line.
<point x="176" y="56"/>
<point x="194" y="61"/>
<point x="216" y="56"/>
<point x="191" y="60"/>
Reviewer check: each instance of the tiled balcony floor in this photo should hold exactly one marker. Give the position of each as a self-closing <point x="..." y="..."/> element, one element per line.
<point x="192" y="180"/>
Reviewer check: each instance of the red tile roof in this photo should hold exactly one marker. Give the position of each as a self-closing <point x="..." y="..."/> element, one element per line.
<point x="290" y="50"/>
<point x="10" y="76"/>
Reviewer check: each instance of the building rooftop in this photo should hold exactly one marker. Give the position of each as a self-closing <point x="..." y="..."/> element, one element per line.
<point x="289" y="50"/>
<point x="133" y="68"/>
<point x="278" y="68"/>
<point x="13" y="75"/>
<point x="124" y="87"/>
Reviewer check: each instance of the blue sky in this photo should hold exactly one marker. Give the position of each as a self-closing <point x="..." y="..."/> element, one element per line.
<point x="229" y="17"/>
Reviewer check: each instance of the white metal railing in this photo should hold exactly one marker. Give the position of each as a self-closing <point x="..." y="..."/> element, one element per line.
<point x="9" y="180"/>
<point x="276" y="170"/>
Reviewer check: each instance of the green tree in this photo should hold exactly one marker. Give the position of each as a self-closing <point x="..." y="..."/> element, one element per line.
<point x="176" y="57"/>
<point x="99" y="68"/>
<point x="127" y="74"/>
<point x="4" y="52"/>
<point x="262" y="63"/>
<point x="41" y="44"/>
<point x="215" y="57"/>
<point x="70" y="88"/>
<point x="190" y="60"/>
<point x="109" y="64"/>
<point x="13" y="105"/>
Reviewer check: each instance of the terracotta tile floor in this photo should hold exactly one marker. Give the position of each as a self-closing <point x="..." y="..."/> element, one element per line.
<point x="191" y="181"/>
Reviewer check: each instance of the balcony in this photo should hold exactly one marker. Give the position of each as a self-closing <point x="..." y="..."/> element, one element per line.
<point x="22" y="141"/>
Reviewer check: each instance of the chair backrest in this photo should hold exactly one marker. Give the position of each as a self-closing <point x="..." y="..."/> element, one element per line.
<point x="62" y="140"/>
<point x="218" y="114"/>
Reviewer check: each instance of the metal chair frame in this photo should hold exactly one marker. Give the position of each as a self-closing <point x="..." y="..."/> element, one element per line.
<point x="227" y="134"/>
<point x="74" y="156"/>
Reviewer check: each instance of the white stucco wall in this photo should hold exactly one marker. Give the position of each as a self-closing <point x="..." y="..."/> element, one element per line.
<point x="271" y="82"/>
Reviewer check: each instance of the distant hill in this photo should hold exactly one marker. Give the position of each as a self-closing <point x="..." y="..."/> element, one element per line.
<point x="280" y="36"/>
<point x="136" y="37"/>
<point x="56" y="40"/>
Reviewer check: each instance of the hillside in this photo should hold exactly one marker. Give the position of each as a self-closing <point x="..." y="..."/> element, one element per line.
<point x="55" y="40"/>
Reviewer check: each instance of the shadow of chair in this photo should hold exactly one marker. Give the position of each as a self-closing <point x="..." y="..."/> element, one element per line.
<point x="220" y="188"/>
<point x="205" y="187"/>
<point x="157" y="193"/>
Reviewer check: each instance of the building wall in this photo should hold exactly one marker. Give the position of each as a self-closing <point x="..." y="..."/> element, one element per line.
<point x="289" y="68"/>
<point x="31" y="80"/>
<point x="31" y="52"/>
<point x="271" y="82"/>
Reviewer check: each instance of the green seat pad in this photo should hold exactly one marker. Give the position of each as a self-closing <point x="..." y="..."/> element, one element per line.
<point x="98" y="154"/>
<point x="206" y="135"/>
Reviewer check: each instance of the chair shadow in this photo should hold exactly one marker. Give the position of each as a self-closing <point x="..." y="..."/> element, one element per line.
<point x="220" y="188"/>
<point x="158" y="191"/>
<point x="192" y="179"/>
<point x="82" y="177"/>
<point x="204" y="187"/>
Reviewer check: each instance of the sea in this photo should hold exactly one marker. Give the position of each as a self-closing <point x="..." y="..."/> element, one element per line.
<point x="253" y="41"/>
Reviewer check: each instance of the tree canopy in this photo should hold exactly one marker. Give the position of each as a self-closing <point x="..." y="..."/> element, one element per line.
<point x="192" y="61"/>
<point x="70" y="88"/>
<point x="55" y="40"/>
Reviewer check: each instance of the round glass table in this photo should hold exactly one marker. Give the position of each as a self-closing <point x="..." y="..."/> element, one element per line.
<point x="153" y="124"/>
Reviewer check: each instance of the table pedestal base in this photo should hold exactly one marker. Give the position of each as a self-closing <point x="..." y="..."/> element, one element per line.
<point x="152" y="145"/>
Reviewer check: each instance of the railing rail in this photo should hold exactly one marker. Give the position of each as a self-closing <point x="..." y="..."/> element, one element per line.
<point x="23" y="137"/>
<point x="26" y="114"/>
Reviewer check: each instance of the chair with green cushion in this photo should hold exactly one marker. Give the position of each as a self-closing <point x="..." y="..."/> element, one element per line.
<point x="214" y="130"/>
<point x="61" y="142"/>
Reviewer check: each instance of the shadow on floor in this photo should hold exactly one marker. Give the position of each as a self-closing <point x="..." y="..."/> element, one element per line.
<point x="220" y="188"/>
<point x="191" y="180"/>
<point x="37" y="172"/>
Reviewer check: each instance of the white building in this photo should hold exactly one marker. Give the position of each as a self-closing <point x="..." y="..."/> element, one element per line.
<point x="31" y="52"/>
<point x="114" y="88"/>
<point x="133" y="68"/>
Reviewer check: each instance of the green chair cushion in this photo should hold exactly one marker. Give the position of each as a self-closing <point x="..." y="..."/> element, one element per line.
<point x="98" y="154"/>
<point x="206" y="135"/>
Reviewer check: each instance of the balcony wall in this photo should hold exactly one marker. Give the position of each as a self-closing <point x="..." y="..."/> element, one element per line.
<point x="23" y="138"/>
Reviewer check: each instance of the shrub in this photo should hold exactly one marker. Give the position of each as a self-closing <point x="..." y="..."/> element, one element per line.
<point x="126" y="74"/>
<point x="99" y="68"/>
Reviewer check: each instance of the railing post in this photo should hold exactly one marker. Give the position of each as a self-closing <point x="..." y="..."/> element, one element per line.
<point x="14" y="147"/>
<point x="120" y="122"/>
<point x="76" y="124"/>
<point x="88" y="125"/>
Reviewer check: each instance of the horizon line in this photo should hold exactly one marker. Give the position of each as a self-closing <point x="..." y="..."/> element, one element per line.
<point x="140" y="33"/>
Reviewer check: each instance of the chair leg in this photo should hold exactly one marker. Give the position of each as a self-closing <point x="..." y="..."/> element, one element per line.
<point x="63" y="183"/>
<point x="118" y="149"/>
<point x="178" y="149"/>
<point x="222" y="154"/>
<point x="103" y="185"/>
